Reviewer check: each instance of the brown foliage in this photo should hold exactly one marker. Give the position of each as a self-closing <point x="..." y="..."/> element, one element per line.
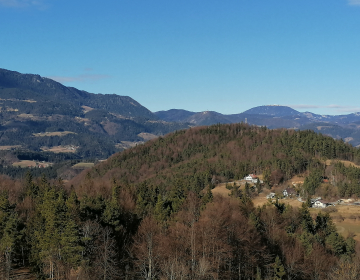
<point x="318" y="262"/>
<point x="346" y="270"/>
<point x="146" y="248"/>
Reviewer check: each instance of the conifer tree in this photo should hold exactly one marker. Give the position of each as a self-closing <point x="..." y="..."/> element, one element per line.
<point x="307" y="222"/>
<point x="160" y="212"/>
<point x="55" y="236"/>
<point x="73" y="206"/>
<point x="112" y="212"/>
<point x="336" y="243"/>
<point x="70" y="244"/>
<point x="31" y="188"/>
<point x="258" y="274"/>
<point x="208" y="197"/>
<point x="9" y="234"/>
<point x="279" y="270"/>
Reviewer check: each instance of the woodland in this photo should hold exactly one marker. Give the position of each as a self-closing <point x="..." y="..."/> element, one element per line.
<point x="149" y="213"/>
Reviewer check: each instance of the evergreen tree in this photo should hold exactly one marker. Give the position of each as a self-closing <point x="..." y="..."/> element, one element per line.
<point x="208" y="197"/>
<point x="160" y="212"/>
<point x="55" y="243"/>
<point x="9" y="234"/>
<point x="112" y="212"/>
<point x="336" y="243"/>
<point x="70" y="244"/>
<point x="307" y="222"/>
<point x="279" y="270"/>
<point x="258" y="274"/>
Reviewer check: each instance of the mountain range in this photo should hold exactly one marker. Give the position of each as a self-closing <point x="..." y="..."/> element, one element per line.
<point x="41" y="115"/>
<point x="346" y="127"/>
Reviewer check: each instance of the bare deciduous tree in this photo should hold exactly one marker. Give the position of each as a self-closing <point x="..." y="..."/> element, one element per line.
<point x="346" y="270"/>
<point x="106" y="265"/>
<point x="174" y="269"/>
<point x="146" y="247"/>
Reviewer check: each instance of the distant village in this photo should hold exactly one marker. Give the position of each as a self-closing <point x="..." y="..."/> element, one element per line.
<point x="292" y="193"/>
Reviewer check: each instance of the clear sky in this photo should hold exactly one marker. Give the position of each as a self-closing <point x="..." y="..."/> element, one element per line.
<point x="226" y="56"/>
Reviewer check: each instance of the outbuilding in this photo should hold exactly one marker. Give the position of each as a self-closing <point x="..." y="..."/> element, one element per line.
<point x="320" y="203"/>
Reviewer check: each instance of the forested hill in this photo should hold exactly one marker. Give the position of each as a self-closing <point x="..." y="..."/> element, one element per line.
<point x="189" y="160"/>
<point x="149" y="213"/>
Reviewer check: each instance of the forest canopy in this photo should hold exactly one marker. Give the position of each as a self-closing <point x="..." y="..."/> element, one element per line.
<point x="149" y="213"/>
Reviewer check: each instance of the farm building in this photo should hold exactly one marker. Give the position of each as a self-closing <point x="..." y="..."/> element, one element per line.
<point x="289" y="192"/>
<point x="320" y="203"/>
<point x="252" y="178"/>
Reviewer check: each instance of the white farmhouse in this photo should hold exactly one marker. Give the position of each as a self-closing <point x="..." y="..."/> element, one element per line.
<point x="252" y="178"/>
<point x="320" y="203"/>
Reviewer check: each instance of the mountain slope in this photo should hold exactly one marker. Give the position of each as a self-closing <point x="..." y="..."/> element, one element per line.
<point x="38" y="114"/>
<point x="174" y="115"/>
<point x="14" y="85"/>
<point x="207" y="118"/>
<point x="275" y="116"/>
<point x="272" y="110"/>
<point x="189" y="159"/>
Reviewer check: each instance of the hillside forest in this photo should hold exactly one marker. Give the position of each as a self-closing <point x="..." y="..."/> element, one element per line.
<point x="149" y="213"/>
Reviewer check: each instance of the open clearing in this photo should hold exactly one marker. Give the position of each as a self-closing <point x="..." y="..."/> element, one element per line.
<point x="83" y="165"/>
<point x="87" y="109"/>
<point x="345" y="162"/>
<point x="127" y="144"/>
<point x="31" y="163"/>
<point x="147" y="136"/>
<point x="60" y="149"/>
<point x="25" y="163"/>
<point x="9" y="147"/>
<point x="345" y="217"/>
<point x="57" y="133"/>
<point x="349" y="228"/>
<point x="26" y="116"/>
<point x="222" y="190"/>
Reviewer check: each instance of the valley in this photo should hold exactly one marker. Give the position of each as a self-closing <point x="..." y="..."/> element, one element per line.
<point x="85" y="175"/>
<point x="179" y="140"/>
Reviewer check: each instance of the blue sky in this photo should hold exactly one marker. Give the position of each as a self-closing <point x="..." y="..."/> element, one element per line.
<point x="224" y="56"/>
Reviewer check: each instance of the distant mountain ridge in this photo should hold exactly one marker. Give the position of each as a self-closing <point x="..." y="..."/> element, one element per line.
<point x="346" y="127"/>
<point x="273" y="110"/>
<point x="37" y="114"/>
<point x="174" y="115"/>
<point x="43" y="89"/>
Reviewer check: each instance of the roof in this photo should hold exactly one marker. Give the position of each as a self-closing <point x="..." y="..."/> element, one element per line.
<point x="290" y="190"/>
